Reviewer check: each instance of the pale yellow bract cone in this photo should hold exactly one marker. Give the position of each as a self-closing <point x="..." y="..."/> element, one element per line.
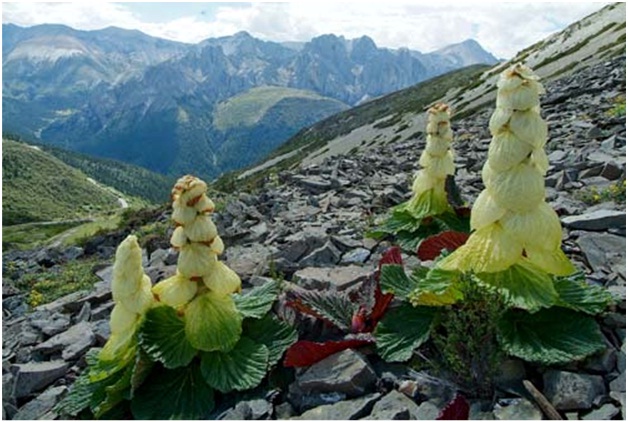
<point x="437" y="162"/>
<point x="131" y="291"/>
<point x="510" y="218"/>
<point x="197" y="240"/>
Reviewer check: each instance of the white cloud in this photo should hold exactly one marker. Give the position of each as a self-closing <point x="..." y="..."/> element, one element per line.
<point x="501" y="27"/>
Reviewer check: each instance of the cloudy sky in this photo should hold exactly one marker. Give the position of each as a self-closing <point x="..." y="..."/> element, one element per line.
<point x="503" y="28"/>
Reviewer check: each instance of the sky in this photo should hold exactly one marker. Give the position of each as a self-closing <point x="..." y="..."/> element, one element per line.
<point x="503" y="28"/>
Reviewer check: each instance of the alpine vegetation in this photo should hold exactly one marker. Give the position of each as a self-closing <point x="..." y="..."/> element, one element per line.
<point x="428" y="211"/>
<point x="510" y="280"/>
<point x="193" y="333"/>
<point x="512" y="223"/>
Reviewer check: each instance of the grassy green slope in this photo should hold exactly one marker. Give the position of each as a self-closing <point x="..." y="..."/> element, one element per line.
<point x="39" y="187"/>
<point x="248" y="108"/>
<point x="126" y="178"/>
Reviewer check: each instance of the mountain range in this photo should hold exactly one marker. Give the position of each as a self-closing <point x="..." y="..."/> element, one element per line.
<point x="206" y="108"/>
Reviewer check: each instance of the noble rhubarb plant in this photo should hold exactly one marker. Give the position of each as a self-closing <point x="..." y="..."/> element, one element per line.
<point x="177" y="346"/>
<point x="429" y="211"/>
<point x="509" y="289"/>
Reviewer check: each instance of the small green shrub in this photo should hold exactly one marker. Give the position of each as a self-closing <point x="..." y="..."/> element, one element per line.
<point x="615" y="192"/>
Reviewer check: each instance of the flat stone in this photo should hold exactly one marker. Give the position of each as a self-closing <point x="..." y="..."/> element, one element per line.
<point x="343" y="410"/>
<point x="619" y="383"/>
<point x="339" y="278"/>
<point x="572" y="391"/>
<point x="356" y="256"/>
<point x="603" y="250"/>
<point x="34" y="376"/>
<point x="602" y="362"/>
<point x="40" y="406"/>
<point x="612" y="171"/>
<point x="604" y="413"/>
<point x="71" y="302"/>
<point x="517" y="409"/>
<point x="346" y="372"/>
<point x="557" y="156"/>
<point x="427" y="411"/>
<point x="102" y="311"/>
<point x="395" y="406"/>
<point x="71" y="343"/>
<point x="247" y="261"/>
<point x="325" y="256"/>
<point x="101" y="330"/>
<point x="596" y="221"/>
<point x="52" y="325"/>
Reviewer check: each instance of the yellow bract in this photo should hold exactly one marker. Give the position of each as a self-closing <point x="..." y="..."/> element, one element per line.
<point x="510" y="217"/>
<point x="429" y="196"/>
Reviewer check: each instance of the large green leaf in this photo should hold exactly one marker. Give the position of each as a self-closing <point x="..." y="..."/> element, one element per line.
<point x="393" y="279"/>
<point x="115" y="393"/>
<point x="212" y="322"/>
<point x="180" y="393"/>
<point x="575" y="293"/>
<point x="523" y="285"/>
<point x="162" y="337"/>
<point x="335" y="307"/>
<point x="437" y="288"/>
<point x="549" y="336"/>
<point x="241" y="368"/>
<point x="257" y="302"/>
<point x="276" y="335"/>
<point x="402" y="330"/>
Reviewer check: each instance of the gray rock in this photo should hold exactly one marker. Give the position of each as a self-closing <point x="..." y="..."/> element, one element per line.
<point x="40" y="406"/>
<point x="356" y="256"/>
<point x="621" y="399"/>
<point x="284" y="411"/>
<point x="572" y="391"/>
<point x="258" y="409"/>
<point x="343" y="410"/>
<point x="339" y="278"/>
<point x="102" y="311"/>
<point x="247" y="261"/>
<point x="602" y="249"/>
<point x="612" y="171"/>
<point x="85" y="313"/>
<point x="71" y="303"/>
<point x="71" y="343"/>
<point x="346" y="372"/>
<point x="602" y="362"/>
<point x="72" y="253"/>
<point x="301" y="243"/>
<point x="395" y="406"/>
<point x="34" y="376"/>
<point x="619" y="383"/>
<point x="556" y="156"/>
<point x="101" y="330"/>
<point x="434" y="389"/>
<point x="315" y="184"/>
<point x="427" y="411"/>
<point x="596" y="221"/>
<point x="604" y="413"/>
<point x="517" y="409"/>
<point x="325" y="256"/>
<point x="594" y="133"/>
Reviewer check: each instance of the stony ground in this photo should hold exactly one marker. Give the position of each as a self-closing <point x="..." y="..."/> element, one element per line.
<point x="307" y="226"/>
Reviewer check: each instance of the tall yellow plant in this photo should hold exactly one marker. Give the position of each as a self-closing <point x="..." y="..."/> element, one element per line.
<point x="512" y="223"/>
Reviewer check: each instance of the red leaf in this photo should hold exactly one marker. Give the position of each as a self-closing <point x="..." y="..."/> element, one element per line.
<point x="307" y="353"/>
<point x="381" y="304"/>
<point x="391" y="256"/>
<point x="431" y="247"/>
<point x="456" y="410"/>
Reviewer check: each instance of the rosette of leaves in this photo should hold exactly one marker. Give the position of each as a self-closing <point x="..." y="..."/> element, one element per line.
<point x="435" y="205"/>
<point x="508" y="286"/>
<point x="352" y="317"/>
<point x="189" y="339"/>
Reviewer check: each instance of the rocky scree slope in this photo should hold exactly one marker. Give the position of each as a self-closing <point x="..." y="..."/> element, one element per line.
<point x="307" y="225"/>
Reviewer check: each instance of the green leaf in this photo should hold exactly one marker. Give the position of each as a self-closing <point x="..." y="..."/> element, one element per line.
<point x="257" y="302"/>
<point x="162" y="337"/>
<point x="180" y="393"/>
<point x="335" y="307"/>
<point x="575" y="293"/>
<point x="550" y="336"/>
<point x="212" y="322"/>
<point x="79" y="397"/>
<point x="523" y="285"/>
<point x="115" y="393"/>
<point x="141" y="370"/>
<point x="393" y="279"/>
<point x="402" y="330"/>
<point x="241" y="368"/>
<point x="276" y="335"/>
<point x="437" y="288"/>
